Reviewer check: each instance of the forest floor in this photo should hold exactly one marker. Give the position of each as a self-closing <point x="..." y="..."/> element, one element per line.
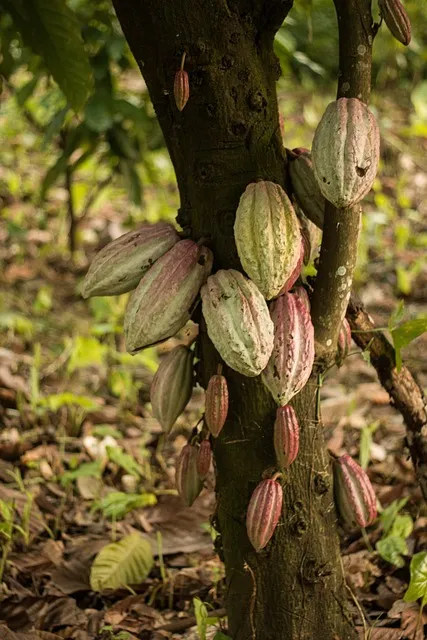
<point x="83" y="463"/>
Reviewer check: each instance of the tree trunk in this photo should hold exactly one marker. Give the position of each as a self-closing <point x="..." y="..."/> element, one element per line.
<point x="227" y="136"/>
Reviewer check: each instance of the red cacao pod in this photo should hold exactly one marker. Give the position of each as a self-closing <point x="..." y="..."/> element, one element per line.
<point x="345" y="152"/>
<point x="292" y="358"/>
<point x="160" y="305"/>
<point x="181" y="89"/>
<point x="172" y="386"/>
<point x="397" y="20"/>
<point x="344" y="341"/>
<point x="286" y="436"/>
<point x="295" y="273"/>
<point x="187" y="479"/>
<point x="120" y="265"/>
<point x="354" y="494"/>
<point x="216" y="404"/>
<point x="264" y="510"/>
<point x="238" y="321"/>
<point x="267" y="236"/>
<point x="204" y="458"/>
<point x="305" y="187"/>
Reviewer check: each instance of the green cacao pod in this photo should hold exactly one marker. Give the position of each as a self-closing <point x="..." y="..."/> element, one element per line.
<point x="267" y="236"/>
<point x="172" y="386"/>
<point x="291" y="361"/>
<point x="120" y="265"/>
<point x="397" y="20"/>
<point x="354" y="494"/>
<point x="238" y="321"/>
<point x="345" y="152"/>
<point x="160" y="305"/>
<point x="264" y="510"/>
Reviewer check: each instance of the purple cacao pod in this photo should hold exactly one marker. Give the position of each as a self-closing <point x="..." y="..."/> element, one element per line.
<point x="267" y="236"/>
<point x="187" y="479"/>
<point x="238" y="321"/>
<point x="172" y="386"/>
<point x="286" y="436"/>
<point x="397" y="20"/>
<point x="345" y="152"/>
<point x="160" y="305"/>
<point x="204" y="458"/>
<point x="216" y="404"/>
<point x="120" y="265"/>
<point x="354" y="494"/>
<point x="292" y="358"/>
<point x="264" y="510"/>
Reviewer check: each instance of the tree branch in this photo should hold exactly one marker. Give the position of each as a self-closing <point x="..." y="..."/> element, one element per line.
<point x="341" y="228"/>
<point x="405" y="393"/>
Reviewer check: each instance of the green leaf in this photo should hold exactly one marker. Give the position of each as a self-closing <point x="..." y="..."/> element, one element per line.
<point x="405" y="333"/>
<point x="58" y="400"/>
<point x="98" y="112"/>
<point x="117" y="504"/>
<point x="402" y="526"/>
<point x="87" y="352"/>
<point x="391" y="549"/>
<point x="201" y="614"/>
<point x="418" y="584"/>
<point x="122" y="563"/>
<point x="221" y="636"/>
<point x="52" y="30"/>
<point x="124" y="460"/>
<point x="85" y="470"/>
<point x="396" y="316"/>
<point x="389" y="514"/>
<point x="365" y="447"/>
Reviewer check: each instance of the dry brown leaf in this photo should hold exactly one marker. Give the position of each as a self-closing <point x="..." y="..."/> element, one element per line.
<point x="132" y="614"/>
<point x="380" y="633"/>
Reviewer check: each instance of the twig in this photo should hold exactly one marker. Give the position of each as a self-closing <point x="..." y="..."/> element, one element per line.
<point x="406" y="395"/>
<point x="247" y="567"/>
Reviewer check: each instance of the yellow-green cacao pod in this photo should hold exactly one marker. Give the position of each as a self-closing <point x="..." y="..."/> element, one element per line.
<point x="345" y="152"/>
<point x="160" y="305"/>
<point x="397" y="20"/>
<point x="305" y="187"/>
<point x="238" y="321"/>
<point x="267" y="236"/>
<point x="120" y="265"/>
<point x="172" y="386"/>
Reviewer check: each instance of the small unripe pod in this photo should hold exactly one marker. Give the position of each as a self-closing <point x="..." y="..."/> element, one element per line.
<point x="172" y="386"/>
<point x="354" y="494"/>
<point x="286" y="436"/>
<point x="187" y="479"/>
<point x="181" y="86"/>
<point x="204" y="458"/>
<point x="264" y="510"/>
<point x="216" y="404"/>
<point x="397" y="20"/>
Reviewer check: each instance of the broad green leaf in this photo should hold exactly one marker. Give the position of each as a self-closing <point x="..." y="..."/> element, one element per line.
<point x="391" y="549"/>
<point x="396" y="316"/>
<point x="418" y="584"/>
<point x="52" y="30"/>
<point x="87" y="351"/>
<point x="405" y="333"/>
<point x="98" y="112"/>
<point x="122" y="563"/>
<point x="85" y="470"/>
<point x="402" y="526"/>
<point x="117" y="504"/>
<point x="201" y="614"/>
<point x="125" y="461"/>
<point x="389" y="514"/>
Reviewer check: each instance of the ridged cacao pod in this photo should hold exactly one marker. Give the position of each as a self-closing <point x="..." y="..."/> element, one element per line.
<point x="345" y="152"/>
<point x="120" y="265"/>
<point x="305" y="187"/>
<point x="181" y="89"/>
<point x="264" y="510"/>
<point x="172" y="386"/>
<point x="296" y="272"/>
<point x="267" y="236"/>
<point x="311" y="237"/>
<point x="238" y="321"/>
<point x="286" y="436"/>
<point x="160" y="305"/>
<point x="292" y="358"/>
<point x="187" y="479"/>
<point x="216" y="404"/>
<point x="344" y="341"/>
<point x="302" y="294"/>
<point x="204" y="458"/>
<point x="354" y="494"/>
<point x="397" y="20"/>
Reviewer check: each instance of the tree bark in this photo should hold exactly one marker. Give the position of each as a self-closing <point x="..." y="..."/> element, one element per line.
<point x="227" y="136"/>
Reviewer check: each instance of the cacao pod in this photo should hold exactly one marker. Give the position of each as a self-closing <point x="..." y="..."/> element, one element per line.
<point x="204" y="457"/>
<point x="161" y="303"/>
<point x="120" y="265"/>
<point x="216" y="404"/>
<point x="172" y="386"/>
<point x="305" y="187"/>
<point x="264" y="510"/>
<point x="344" y="341"/>
<point x="302" y="294"/>
<point x="397" y="20"/>
<point x="311" y="237"/>
<point x="238" y="321"/>
<point x="296" y="272"/>
<point x="354" y="494"/>
<point x="181" y="89"/>
<point x="292" y="358"/>
<point x="345" y="152"/>
<point x="187" y="479"/>
<point x="267" y="236"/>
<point x="286" y="436"/>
